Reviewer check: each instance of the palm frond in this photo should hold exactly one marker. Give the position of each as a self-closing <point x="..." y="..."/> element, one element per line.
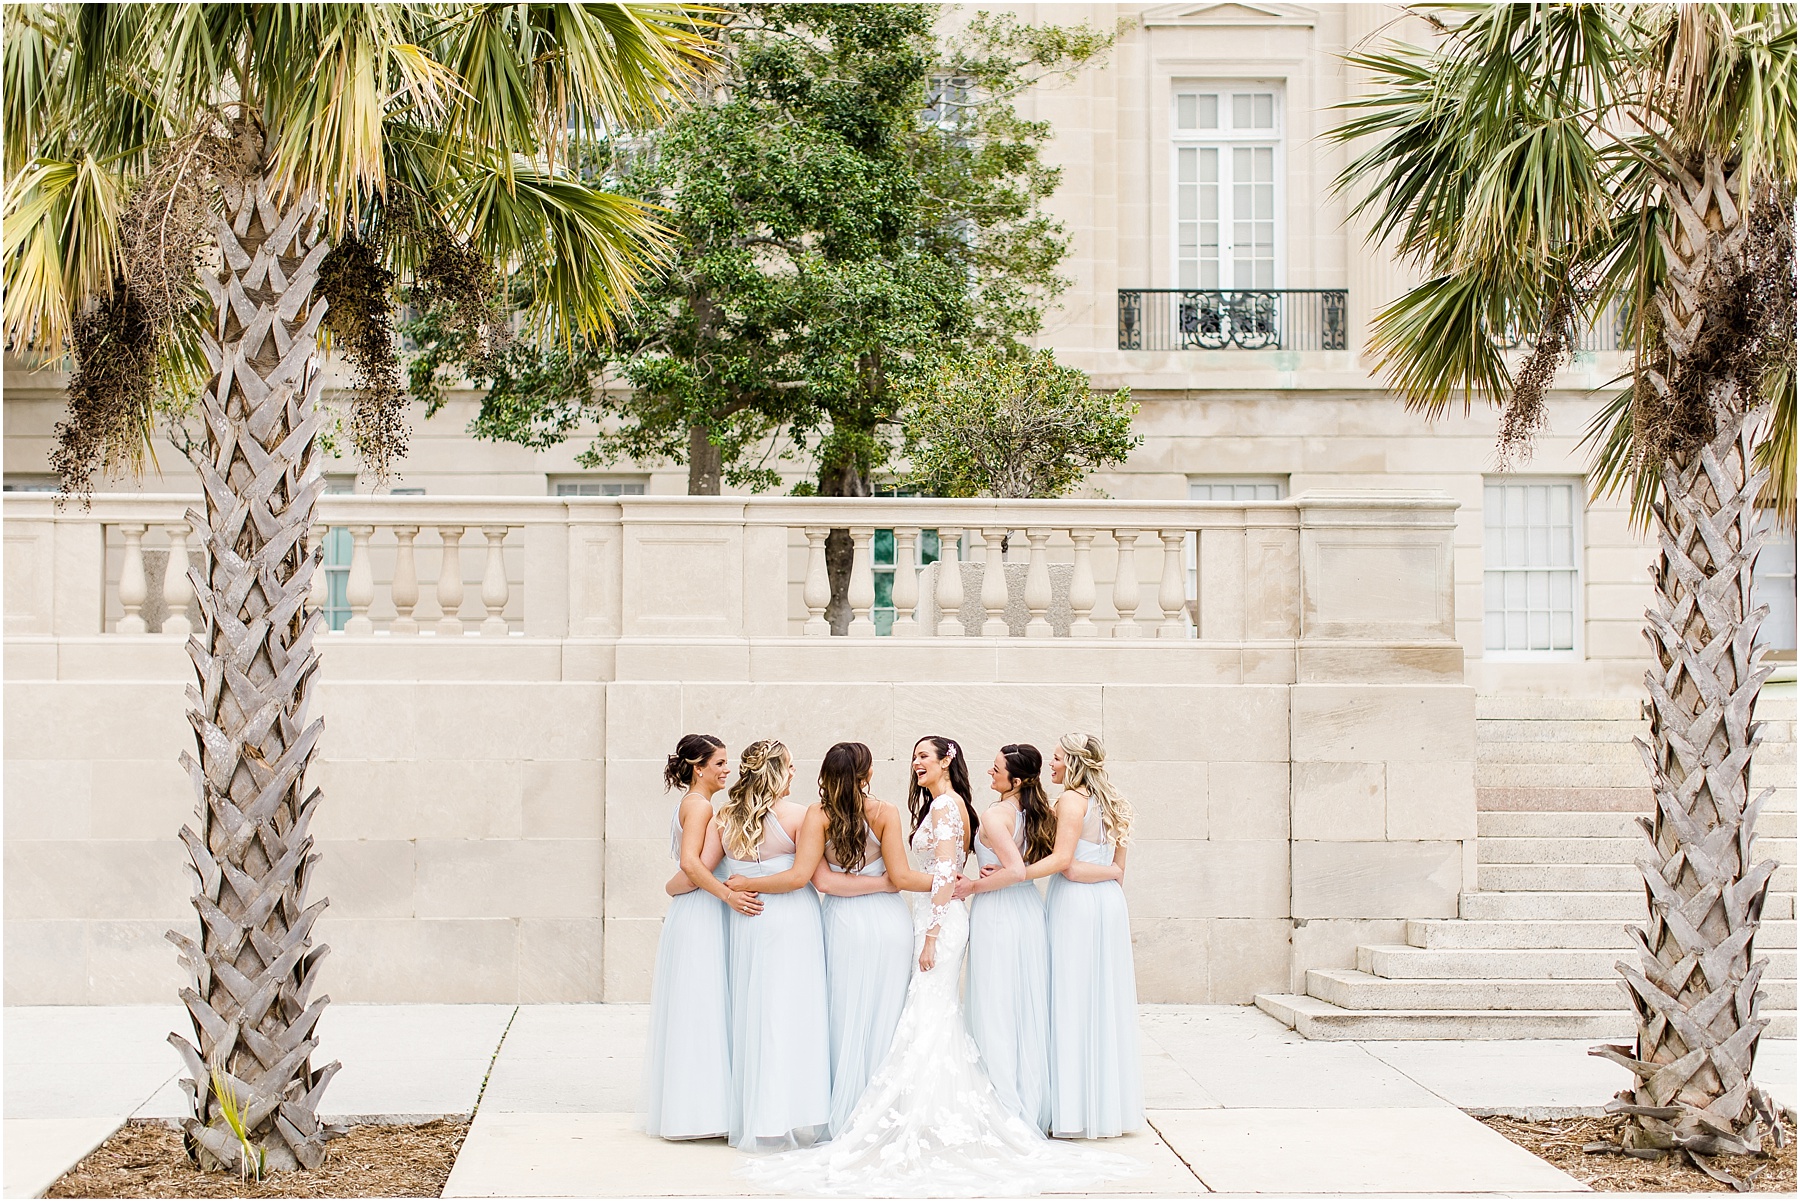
<point x="1438" y="340"/>
<point x="580" y="250"/>
<point x="1776" y="449"/>
<point x="61" y="245"/>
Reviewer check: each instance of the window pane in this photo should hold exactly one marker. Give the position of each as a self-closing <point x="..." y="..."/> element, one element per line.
<point x="1187" y="165"/>
<point x="929" y="551"/>
<point x="1241" y="111"/>
<point x="884" y="588"/>
<point x="1187" y="112"/>
<point x="1208" y="111"/>
<point x="884" y="547"/>
<point x="1562" y="631"/>
<point x="1263" y="114"/>
<point x="1540" y="631"/>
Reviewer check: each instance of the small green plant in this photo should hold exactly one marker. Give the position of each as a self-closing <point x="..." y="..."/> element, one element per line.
<point x="251" y="1157"/>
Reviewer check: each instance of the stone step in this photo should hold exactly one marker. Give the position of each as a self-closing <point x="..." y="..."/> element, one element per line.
<point x="1558" y="877"/>
<point x="1769" y="708"/>
<point x="1536" y="905"/>
<point x="1399" y="962"/>
<point x="1502" y="824"/>
<point x="1553" y="751"/>
<point x="1489" y="731"/>
<point x="1584" y="877"/>
<point x="1544" y="933"/>
<point x="1509" y="849"/>
<point x="1316" y="1019"/>
<point x="1547" y="798"/>
<point x="1357" y="990"/>
<point x="1495" y="772"/>
<point x="1561" y="849"/>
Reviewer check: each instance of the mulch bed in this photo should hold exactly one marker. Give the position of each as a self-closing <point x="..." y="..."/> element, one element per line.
<point x="145" y="1160"/>
<point x="1559" y="1141"/>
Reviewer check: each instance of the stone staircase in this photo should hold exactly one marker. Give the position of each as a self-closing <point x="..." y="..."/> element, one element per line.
<point x="1559" y="788"/>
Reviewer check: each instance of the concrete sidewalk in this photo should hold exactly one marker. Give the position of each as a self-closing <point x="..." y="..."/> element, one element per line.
<point x="1236" y="1102"/>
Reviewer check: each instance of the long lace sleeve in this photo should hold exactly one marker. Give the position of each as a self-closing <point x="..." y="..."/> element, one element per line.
<point x="947" y="851"/>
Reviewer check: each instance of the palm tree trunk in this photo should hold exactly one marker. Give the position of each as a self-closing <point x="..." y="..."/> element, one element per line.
<point x="254" y="966"/>
<point x="1694" y="989"/>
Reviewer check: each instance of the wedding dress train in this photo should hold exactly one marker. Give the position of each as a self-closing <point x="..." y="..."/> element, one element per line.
<point x="930" y="1123"/>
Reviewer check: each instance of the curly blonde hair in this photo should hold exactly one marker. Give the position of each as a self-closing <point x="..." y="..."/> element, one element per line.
<point x="1084" y="761"/>
<point x="752" y="797"/>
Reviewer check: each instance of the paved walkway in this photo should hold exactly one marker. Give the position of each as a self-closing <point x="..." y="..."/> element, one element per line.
<point x="1236" y="1102"/>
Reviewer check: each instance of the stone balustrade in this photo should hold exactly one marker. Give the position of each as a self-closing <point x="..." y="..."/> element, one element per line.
<point x="1336" y="567"/>
<point x="1293" y="726"/>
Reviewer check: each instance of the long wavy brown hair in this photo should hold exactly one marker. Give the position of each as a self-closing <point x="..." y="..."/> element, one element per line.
<point x="841" y="777"/>
<point x="1025" y="764"/>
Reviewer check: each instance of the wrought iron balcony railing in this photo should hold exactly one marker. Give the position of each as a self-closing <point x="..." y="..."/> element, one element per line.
<point x="1254" y="319"/>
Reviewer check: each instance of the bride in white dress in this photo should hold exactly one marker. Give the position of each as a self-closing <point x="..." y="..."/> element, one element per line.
<point x="929" y="1123"/>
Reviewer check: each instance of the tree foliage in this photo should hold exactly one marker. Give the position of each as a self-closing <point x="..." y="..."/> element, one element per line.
<point x="999" y="424"/>
<point x="860" y="199"/>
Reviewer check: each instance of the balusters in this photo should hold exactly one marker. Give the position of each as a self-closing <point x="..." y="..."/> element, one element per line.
<point x="993" y="583"/>
<point x="178" y="590"/>
<point x="1037" y="586"/>
<point x="1081" y="586"/>
<point x="817" y="592"/>
<point x="450" y="581"/>
<point x="906" y="582"/>
<point x="1172" y="595"/>
<point x="133" y="588"/>
<point x="405" y="588"/>
<point x="359" y="590"/>
<point x="862" y="583"/>
<point x="1125" y="586"/>
<point x="494" y="588"/>
<point x="949" y="584"/>
<point x="318" y="591"/>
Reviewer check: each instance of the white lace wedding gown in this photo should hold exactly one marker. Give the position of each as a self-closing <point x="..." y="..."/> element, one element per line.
<point x="929" y="1123"/>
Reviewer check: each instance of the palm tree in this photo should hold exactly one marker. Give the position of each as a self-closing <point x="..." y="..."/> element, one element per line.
<point x="1540" y="163"/>
<point x="304" y="158"/>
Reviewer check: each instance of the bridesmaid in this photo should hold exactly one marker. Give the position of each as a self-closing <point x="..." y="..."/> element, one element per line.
<point x="868" y="925"/>
<point x="687" y="1070"/>
<point x="1096" y="1081"/>
<point x="1008" y="1004"/>
<point x="780" y="1064"/>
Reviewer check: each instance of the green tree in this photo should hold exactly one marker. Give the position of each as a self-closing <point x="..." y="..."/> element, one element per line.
<point x="1540" y="162"/>
<point x="994" y="424"/>
<point x="860" y="198"/>
<point x="190" y="188"/>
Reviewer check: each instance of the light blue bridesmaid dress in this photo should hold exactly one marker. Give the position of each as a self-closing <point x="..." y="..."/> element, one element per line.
<point x="1096" y="1081"/>
<point x="780" y="1062"/>
<point x="687" y="1071"/>
<point x="1008" y="1000"/>
<point x="868" y="964"/>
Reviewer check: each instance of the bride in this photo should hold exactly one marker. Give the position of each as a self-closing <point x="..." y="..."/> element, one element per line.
<point x="929" y="1124"/>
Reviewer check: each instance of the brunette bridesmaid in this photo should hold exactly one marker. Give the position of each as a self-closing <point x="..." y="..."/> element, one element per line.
<point x="1007" y="1000"/>
<point x="780" y="1061"/>
<point x="1096" y="1081"/>
<point x="687" y="1071"/>
<point x="868" y="925"/>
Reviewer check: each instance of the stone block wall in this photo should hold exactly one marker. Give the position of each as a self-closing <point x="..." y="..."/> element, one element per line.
<point x="500" y="840"/>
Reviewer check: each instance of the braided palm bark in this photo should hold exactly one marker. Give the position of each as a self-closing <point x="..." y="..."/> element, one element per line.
<point x="1695" y="986"/>
<point x="254" y="967"/>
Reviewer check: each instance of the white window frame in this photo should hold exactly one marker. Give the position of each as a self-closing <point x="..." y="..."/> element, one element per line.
<point x="1578" y="519"/>
<point x="1772" y="580"/>
<point x="1224" y="139"/>
<point x="603" y="486"/>
<point x="336" y="563"/>
<point x="1191" y="549"/>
